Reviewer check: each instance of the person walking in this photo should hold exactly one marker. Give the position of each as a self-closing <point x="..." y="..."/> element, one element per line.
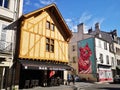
<point x="68" y="78"/>
<point x="73" y="79"/>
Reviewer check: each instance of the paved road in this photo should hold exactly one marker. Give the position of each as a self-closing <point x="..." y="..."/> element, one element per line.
<point x="77" y="86"/>
<point x="80" y="86"/>
<point x="61" y="87"/>
<point x="103" y="87"/>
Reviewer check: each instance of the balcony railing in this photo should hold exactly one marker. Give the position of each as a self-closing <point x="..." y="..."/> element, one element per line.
<point x="5" y="47"/>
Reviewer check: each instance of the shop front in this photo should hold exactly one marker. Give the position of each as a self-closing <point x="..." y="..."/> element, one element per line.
<point x="41" y="73"/>
<point x="105" y="74"/>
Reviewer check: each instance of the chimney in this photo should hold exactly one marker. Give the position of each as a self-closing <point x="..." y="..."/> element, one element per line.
<point x="80" y="28"/>
<point x="114" y="35"/>
<point x="90" y="30"/>
<point x="97" y="26"/>
<point x="97" y="29"/>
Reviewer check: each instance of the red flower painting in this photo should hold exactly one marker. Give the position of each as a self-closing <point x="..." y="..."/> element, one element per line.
<point x="84" y="63"/>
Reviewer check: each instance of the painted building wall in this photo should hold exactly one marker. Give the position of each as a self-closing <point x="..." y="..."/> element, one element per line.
<point x="33" y="39"/>
<point x="77" y="36"/>
<point x="86" y="59"/>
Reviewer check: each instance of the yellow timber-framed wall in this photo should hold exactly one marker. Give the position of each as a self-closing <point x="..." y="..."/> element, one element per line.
<point x="33" y="38"/>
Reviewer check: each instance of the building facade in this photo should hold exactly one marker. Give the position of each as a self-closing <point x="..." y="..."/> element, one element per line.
<point x="73" y="47"/>
<point x="10" y="10"/>
<point x="96" y="57"/>
<point x="41" y="53"/>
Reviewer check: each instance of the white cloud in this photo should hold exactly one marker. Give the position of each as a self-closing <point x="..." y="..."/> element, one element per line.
<point x="88" y="20"/>
<point x="85" y="17"/>
<point x="46" y="2"/>
<point x="72" y="25"/>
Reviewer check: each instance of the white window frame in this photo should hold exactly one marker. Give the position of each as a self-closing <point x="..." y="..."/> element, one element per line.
<point x="3" y="4"/>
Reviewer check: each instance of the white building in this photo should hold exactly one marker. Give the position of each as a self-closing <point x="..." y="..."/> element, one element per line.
<point x="10" y="10"/>
<point x="103" y="59"/>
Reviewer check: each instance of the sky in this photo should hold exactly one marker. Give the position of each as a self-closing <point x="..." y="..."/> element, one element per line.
<point x="89" y="12"/>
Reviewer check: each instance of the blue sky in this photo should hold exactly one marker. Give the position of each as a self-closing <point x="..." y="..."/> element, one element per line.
<point x="106" y="12"/>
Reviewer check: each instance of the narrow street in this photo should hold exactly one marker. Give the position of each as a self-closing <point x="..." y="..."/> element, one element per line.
<point x="80" y="86"/>
<point x="102" y="87"/>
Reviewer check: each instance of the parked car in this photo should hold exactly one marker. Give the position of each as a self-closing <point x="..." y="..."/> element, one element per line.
<point x="117" y="79"/>
<point x="77" y="78"/>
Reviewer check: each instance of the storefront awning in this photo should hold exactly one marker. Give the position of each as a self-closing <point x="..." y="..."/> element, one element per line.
<point x="42" y="65"/>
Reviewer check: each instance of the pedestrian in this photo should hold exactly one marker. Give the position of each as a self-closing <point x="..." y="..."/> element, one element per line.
<point x="58" y="80"/>
<point x="68" y="79"/>
<point x="73" y="79"/>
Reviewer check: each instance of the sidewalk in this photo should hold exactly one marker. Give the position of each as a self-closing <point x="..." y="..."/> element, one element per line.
<point x="77" y="86"/>
<point x="61" y="87"/>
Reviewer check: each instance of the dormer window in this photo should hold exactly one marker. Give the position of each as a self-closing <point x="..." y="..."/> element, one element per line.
<point x="4" y="3"/>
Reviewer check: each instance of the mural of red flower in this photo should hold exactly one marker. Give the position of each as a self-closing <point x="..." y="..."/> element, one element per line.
<point x="84" y="63"/>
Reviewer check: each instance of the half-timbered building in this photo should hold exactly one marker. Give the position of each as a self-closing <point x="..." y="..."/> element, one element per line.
<point x="41" y="52"/>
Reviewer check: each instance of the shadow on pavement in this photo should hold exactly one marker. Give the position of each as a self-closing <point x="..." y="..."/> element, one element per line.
<point x="110" y="88"/>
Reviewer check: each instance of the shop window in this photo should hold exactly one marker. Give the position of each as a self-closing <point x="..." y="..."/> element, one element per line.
<point x="4" y="3"/>
<point x="49" y="45"/>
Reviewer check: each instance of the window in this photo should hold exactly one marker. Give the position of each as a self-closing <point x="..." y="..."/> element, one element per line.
<point x="107" y="59"/>
<point x="52" y="46"/>
<point x="118" y="62"/>
<point x="112" y="61"/>
<point x="48" y="25"/>
<point x="73" y="48"/>
<point x="49" y="45"/>
<point x="74" y="60"/>
<point x="4" y="3"/>
<point x="111" y="47"/>
<point x="2" y="45"/>
<point x="101" y="58"/>
<point x="105" y="45"/>
<point x="3" y="38"/>
<point x="99" y="43"/>
<point x="52" y="26"/>
<point x="3" y="34"/>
